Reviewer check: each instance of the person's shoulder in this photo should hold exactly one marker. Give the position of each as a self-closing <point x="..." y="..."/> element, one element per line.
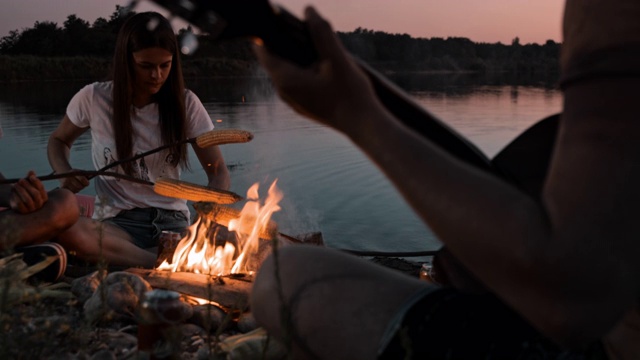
<point x="191" y="99"/>
<point x="103" y="87"/>
<point x="97" y="88"/>
<point x="190" y="95"/>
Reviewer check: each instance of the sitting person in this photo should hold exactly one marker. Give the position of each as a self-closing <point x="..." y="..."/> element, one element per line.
<point x="144" y="107"/>
<point x="562" y="272"/>
<point x="32" y="216"/>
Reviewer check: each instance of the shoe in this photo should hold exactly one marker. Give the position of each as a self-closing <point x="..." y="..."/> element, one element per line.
<point x="34" y="254"/>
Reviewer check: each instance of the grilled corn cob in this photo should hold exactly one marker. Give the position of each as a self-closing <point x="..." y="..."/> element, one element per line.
<point x="184" y="190"/>
<point x="223" y="136"/>
<point x="223" y="215"/>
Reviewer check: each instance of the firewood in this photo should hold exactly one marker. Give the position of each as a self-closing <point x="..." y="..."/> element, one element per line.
<point x="223" y="215"/>
<point x="228" y="292"/>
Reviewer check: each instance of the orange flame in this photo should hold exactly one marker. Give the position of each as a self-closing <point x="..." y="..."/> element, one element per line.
<point x="198" y="252"/>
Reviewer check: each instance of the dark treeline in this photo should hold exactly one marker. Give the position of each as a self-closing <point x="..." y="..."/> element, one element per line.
<point x="401" y="52"/>
<point x="81" y="50"/>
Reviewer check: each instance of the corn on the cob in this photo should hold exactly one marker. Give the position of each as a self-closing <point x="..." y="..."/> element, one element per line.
<point x="223" y="136"/>
<point x="223" y="215"/>
<point x="184" y="190"/>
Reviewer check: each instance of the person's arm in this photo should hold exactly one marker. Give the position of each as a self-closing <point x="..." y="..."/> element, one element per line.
<point x="214" y="166"/>
<point x="210" y="158"/>
<point x="544" y="259"/>
<point x="58" y="150"/>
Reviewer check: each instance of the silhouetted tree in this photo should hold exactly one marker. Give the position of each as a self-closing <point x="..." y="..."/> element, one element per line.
<point x="76" y="33"/>
<point x="398" y="52"/>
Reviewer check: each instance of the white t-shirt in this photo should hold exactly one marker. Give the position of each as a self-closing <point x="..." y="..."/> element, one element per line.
<point x="92" y="107"/>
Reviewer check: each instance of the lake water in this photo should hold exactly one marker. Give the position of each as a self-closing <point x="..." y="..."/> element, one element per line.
<point x="328" y="184"/>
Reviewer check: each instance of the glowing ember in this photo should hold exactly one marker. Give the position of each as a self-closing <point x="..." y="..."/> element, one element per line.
<point x="198" y="251"/>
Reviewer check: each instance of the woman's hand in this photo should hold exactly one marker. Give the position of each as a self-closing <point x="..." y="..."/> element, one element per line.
<point x="28" y="195"/>
<point x="334" y="90"/>
<point x="75" y="183"/>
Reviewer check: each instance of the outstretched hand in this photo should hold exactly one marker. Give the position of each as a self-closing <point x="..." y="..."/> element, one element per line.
<point x="28" y="194"/>
<point x="331" y="90"/>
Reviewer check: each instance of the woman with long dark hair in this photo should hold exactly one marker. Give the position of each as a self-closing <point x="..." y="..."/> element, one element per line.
<point x="143" y="107"/>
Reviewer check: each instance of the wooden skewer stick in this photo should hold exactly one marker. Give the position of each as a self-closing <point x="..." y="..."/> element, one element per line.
<point x="210" y="138"/>
<point x="88" y="174"/>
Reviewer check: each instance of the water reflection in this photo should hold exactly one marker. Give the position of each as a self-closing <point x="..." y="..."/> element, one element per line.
<point x="44" y="98"/>
<point x="459" y="84"/>
<point x="329" y="185"/>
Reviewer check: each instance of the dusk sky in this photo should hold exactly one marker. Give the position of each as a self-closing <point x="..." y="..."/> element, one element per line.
<point x="532" y="21"/>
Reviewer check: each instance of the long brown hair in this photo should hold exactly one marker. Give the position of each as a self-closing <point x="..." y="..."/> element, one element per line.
<point x="142" y="31"/>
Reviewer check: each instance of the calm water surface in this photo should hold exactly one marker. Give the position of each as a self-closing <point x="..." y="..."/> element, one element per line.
<point x="329" y="185"/>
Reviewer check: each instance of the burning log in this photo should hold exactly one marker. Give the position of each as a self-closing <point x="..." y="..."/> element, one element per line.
<point x="229" y="291"/>
<point x="223" y="215"/>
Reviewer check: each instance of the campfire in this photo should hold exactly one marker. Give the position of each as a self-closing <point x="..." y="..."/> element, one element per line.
<point x="218" y="257"/>
<point x="216" y="260"/>
<point x="202" y="251"/>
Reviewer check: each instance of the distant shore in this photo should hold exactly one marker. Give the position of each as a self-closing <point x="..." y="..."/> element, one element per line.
<point x="34" y="68"/>
<point x="29" y="68"/>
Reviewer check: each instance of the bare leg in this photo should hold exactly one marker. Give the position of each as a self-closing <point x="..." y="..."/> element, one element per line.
<point x="58" y="213"/>
<point x="92" y="240"/>
<point x="339" y="305"/>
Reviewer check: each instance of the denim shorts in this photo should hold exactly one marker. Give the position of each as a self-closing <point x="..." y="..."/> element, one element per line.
<point x="146" y="224"/>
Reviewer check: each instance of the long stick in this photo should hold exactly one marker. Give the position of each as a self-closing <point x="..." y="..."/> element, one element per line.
<point x="88" y="174"/>
<point x="102" y="171"/>
<point x="391" y="253"/>
<point x="136" y="157"/>
<point x="210" y="138"/>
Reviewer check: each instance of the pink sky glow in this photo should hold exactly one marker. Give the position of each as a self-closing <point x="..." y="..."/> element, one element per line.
<point x="532" y="21"/>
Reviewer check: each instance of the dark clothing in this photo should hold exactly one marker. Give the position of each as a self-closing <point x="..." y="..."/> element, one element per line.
<point x="449" y="324"/>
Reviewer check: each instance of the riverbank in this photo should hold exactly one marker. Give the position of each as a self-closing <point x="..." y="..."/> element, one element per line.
<point x="27" y="68"/>
<point x="50" y="320"/>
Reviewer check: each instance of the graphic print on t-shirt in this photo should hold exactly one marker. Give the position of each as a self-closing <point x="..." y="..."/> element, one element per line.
<point x="143" y="170"/>
<point x="108" y="159"/>
<point x="168" y="163"/>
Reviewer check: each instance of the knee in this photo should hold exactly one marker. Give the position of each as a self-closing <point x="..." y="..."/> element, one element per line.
<point x="269" y="284"/>
<point x="65" y="210"/>
<point x="264" y="285"/>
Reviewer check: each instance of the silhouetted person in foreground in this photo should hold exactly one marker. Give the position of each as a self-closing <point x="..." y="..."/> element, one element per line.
<point x="562" y="272"/>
